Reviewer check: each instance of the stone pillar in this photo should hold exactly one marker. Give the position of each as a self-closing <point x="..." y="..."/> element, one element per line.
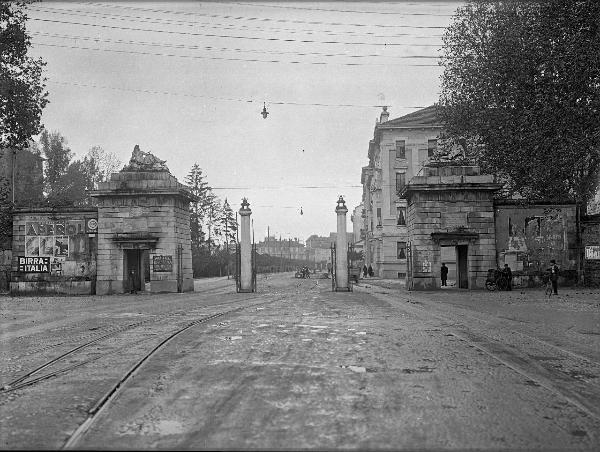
<point x="341" y="247"/>
<point x="245" y="248"/>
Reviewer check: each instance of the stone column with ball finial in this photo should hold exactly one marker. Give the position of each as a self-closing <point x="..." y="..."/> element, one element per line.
<point x="245" y="248"/>
<point x="341" y="248"/>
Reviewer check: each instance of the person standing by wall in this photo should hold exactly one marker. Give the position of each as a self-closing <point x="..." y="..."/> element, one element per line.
<point x="444" y="274"/>
<point x="554" y="276"/>
<point x="508" y="275"/>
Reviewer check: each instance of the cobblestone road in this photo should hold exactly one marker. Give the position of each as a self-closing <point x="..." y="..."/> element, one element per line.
<point x="378" y="368"/>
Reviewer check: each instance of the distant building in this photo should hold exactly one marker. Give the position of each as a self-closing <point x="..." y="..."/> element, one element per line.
<point x="399" y="149"/>
<point x="285" y="248"/>
<point x="319" y="248"/>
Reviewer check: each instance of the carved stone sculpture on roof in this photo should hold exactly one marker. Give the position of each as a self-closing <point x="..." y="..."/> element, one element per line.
<point x="144" y="161"/>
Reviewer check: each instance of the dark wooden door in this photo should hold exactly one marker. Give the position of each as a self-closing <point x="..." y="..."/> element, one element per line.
<point x="133" y="263"/>
<point x="462" y="252"/>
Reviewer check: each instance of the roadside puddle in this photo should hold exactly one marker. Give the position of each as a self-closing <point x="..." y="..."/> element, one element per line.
<point x="167" y="427"/>
<point x="359" y="369"/>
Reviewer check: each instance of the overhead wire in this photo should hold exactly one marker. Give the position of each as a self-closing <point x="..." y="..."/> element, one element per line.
<point x="249" y="60"/>
<point x="189" y="23"/>
<point x="232" y="99"/>
<point x="386" y="13"/>
<point x="312" y="22"/>
<point x="250" y="38"/>
<point x="226" y="49"/>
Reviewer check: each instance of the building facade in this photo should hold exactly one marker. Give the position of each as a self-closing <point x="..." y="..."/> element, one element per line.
<point x="399" y="149"/>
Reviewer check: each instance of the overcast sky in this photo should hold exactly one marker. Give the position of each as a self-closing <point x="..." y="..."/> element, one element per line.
<point x="187" y="82"/>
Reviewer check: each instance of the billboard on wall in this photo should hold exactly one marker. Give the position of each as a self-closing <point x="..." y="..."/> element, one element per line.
<point x="55" y="239"/>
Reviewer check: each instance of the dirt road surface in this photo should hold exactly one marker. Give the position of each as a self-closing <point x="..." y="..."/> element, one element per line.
<point x="301" y="367"/>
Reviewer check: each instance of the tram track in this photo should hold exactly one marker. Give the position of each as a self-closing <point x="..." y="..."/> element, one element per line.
<point x="104" y="401"/>
<point x="27" y="379"/>
<point x="96" y="410"/>
<point x="573" y="377"/>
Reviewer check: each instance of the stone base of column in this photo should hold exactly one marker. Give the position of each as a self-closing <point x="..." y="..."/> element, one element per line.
<point x="343" y="289"/>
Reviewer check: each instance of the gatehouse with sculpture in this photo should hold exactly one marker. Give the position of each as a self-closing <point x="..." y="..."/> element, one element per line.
<point x="136" y="239"/>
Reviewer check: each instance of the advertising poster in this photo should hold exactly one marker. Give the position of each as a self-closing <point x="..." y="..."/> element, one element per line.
<point x="32" y="246"/>
<point x="162" y="263"/>
<point x="47" y="246"/>
<point x="61" y="246"/>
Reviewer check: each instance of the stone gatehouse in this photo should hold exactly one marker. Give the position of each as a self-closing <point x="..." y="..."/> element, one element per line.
<point x="138" y="237"/>
<point x="454" y="217"/>
<point x="450" y="207"/>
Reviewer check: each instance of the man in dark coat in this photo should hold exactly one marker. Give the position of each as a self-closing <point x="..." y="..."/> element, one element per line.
<point x="554" y="276"/>
<point x="508" y="275"/>
<point x="444" y="274"/>
<point x="365" y="270"/>
<point x="371" y="272"/>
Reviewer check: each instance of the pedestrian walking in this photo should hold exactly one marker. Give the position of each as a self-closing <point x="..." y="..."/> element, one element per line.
<point x="444" y="274"/>
<point x="365" y="270"/>
<point x="371" y="272"/>
<point x="554" y="276"/>
<point x="508" y="275"/>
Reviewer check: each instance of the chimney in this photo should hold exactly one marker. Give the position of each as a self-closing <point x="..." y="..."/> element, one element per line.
<point x="384" y="115"/>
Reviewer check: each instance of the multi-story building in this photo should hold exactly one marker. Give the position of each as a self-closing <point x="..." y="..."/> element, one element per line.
<point x="357" y="224"/>
<point x="399" y="149"/>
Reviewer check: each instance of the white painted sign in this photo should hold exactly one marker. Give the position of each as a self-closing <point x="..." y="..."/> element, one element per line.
<point x="592" y="252"/>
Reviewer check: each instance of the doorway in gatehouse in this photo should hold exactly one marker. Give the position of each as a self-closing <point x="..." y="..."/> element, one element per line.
<point x="455" y="258"/>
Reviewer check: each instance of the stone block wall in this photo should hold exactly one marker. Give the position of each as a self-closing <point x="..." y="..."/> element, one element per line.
<point x="5" y="269"/>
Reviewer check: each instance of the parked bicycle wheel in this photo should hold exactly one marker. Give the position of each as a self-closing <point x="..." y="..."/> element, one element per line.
<point x="490" y="285"/>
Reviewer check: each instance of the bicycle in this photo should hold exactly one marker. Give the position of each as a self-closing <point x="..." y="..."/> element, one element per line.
<point x="496" y="280"/>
